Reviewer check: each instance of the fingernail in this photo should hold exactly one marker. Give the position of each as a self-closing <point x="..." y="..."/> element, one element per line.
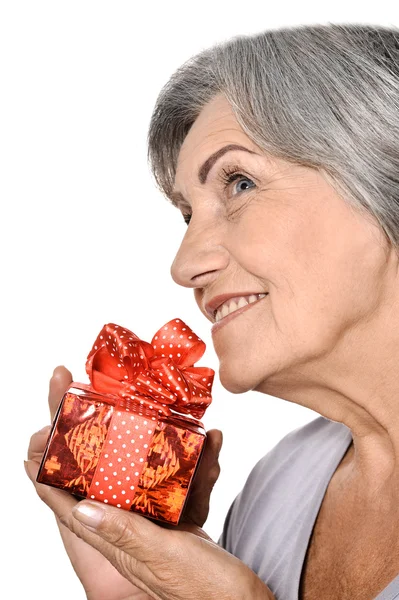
<point x="89" y="514"/>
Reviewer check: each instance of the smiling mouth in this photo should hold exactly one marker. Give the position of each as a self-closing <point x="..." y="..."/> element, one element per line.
<point x="223" y="320"/>
<point x="234" y="304"/>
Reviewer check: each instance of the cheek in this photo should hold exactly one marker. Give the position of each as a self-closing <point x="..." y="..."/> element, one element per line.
<point x="296" y="248"/>
<point x="314" y="268"/>
<point x="274" y="247"/>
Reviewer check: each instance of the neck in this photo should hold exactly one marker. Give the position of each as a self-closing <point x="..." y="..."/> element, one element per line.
<point x="357" y="384"/>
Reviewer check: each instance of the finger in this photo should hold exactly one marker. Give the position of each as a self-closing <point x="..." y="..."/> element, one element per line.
<point x="38" y="443"/>
<point x="80" y="519"/>
<point x="129" y="541"/>
<point x="213" y="446"/>
<point x="197" y="507"/>
<point x="60" y="381"/>
<point x="130" y="532"/>
<point x="60" y="502"/>
<point x="209" y="468"/>
<point x="146" y="554"/>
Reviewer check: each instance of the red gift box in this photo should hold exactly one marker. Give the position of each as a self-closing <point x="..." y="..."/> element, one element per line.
<point x="132" y="438"/>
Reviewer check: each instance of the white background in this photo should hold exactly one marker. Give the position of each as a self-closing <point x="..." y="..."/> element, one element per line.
<point x="87" y="239"/>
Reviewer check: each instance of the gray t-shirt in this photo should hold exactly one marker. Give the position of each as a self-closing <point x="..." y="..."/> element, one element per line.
<point x="270" y="522"/>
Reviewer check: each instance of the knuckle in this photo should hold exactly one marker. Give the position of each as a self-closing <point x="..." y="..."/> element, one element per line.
<point x="40" y="492"/>
<point x="34" y="441"/>
<point x="120" y="534"/>
<point x="127" y="565"/>
<point x="43" y="492"/>
<point x="31" y="453"/>
<point x="37" y="444"/>
<point x="74" y="526"/>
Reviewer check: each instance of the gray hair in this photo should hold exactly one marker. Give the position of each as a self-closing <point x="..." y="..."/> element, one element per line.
<point x="324" y="96"/>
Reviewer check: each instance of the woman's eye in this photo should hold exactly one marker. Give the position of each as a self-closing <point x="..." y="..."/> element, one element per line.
<point x="243" y="182"/>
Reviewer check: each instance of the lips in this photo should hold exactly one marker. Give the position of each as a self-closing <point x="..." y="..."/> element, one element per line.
<point x="219" y="324"/>
<point x="212" y="306"/>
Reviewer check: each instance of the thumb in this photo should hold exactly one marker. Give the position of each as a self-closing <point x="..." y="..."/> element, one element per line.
<point x="121" y="529"/>
<point x="159" y="561"/>
<point x="130" y="542"/>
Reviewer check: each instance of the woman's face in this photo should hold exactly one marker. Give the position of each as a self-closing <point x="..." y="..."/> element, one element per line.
<point x="278" y="229"/>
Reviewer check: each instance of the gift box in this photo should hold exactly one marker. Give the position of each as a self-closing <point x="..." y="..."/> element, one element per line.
<point x="132" y="437"/>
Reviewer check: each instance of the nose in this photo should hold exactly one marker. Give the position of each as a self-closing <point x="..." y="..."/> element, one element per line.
<point x="200" y="258"/>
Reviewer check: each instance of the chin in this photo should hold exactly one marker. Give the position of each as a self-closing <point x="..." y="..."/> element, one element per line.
<point x="235" y="380"/>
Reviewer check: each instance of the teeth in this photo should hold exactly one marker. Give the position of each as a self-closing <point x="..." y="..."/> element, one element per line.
<point x="232" y="305"/>
<point x="225" y="310"/>
<point x="242" y="302"/>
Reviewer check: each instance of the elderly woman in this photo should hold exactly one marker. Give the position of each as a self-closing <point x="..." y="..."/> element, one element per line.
<point x="281" y="152"/>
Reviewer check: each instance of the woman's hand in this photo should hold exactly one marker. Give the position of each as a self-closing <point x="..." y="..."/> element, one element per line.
<point x="99" y="578"/>
<point x="120" y="555"/>
<point x="167" y="564"/>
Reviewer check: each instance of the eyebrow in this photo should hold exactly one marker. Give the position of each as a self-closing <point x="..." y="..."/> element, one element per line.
<point x="203" y="171"/>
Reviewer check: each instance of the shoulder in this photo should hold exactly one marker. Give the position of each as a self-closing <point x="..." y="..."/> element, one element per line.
<point x="296" y="454"/>
<point x="278" y="479"/>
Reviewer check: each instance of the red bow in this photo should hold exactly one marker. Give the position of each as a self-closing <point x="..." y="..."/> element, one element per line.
<point x="159" y="375"/>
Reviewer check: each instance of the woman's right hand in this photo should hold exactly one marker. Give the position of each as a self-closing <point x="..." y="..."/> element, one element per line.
<point x="99" y="578"/>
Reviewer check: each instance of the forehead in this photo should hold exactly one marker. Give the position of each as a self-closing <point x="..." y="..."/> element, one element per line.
<point x="216" y="126"/>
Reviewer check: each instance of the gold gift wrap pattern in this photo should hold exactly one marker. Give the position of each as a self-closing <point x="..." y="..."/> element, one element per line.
<point x="167" y="471"/>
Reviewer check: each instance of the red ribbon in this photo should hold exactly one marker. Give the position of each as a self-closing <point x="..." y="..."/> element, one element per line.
<point x="159" y="374"/>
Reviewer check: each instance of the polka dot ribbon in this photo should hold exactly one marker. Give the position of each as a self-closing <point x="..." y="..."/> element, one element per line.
<point x="159" y="375"/>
